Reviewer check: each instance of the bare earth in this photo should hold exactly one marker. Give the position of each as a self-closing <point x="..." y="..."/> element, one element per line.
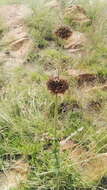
<point x="16" y="41"/>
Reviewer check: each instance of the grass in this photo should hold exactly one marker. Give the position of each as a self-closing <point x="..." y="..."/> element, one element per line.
<point x="27" y="107"/>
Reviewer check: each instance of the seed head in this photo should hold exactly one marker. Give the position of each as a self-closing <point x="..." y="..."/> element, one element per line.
<point x="63" y="32"/>
<point x="57" y="86"/>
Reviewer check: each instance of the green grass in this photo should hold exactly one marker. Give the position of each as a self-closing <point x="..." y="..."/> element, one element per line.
<point x="27" y="107"/>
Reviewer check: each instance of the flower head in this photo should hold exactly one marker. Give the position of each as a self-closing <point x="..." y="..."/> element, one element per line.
<point x="57" y="86"/>
<point x="63" y="32"/>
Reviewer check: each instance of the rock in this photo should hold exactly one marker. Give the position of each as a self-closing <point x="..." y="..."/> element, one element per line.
<point x="68" y="106"/>
<point x="75" y="42"/>
<point x="94" y="106"/>
<point x="91" y="166"/>
<point x="14" y="14"/>
<point x="52" y="4"/>
<point x="104" y="87"/>
<point x="69" y="145"/>
<point x="86" y="78"/>
<point x="13" y="177"/>
<point x="76" y="14"/>
<point x="74" y="72"/>
<point x="82" y="77"/>
<point x="101" y="87"/>
<point x="16" y="39"/>
<point x="95" y="167"/>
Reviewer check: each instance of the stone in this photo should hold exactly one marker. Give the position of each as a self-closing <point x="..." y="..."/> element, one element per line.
<point x="76" y="14"/>
<point x="82" y="77"/>
<point x="14" y="176"/>
<point x="91" y="166"/>
<point x="75" y="42"/>
<point x="16" y="39"/>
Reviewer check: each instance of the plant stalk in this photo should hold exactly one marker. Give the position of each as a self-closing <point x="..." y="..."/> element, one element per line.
<point x="56" y="143"/>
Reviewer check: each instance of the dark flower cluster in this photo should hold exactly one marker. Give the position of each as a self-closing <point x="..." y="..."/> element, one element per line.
<point x="57" y="86"/>
<point x="63" y="32"/>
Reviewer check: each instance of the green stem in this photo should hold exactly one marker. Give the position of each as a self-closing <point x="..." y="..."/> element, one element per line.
<point x="56" y="143"/>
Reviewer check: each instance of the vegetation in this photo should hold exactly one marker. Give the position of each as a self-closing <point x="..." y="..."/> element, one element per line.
<point x="28" y="111"/>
